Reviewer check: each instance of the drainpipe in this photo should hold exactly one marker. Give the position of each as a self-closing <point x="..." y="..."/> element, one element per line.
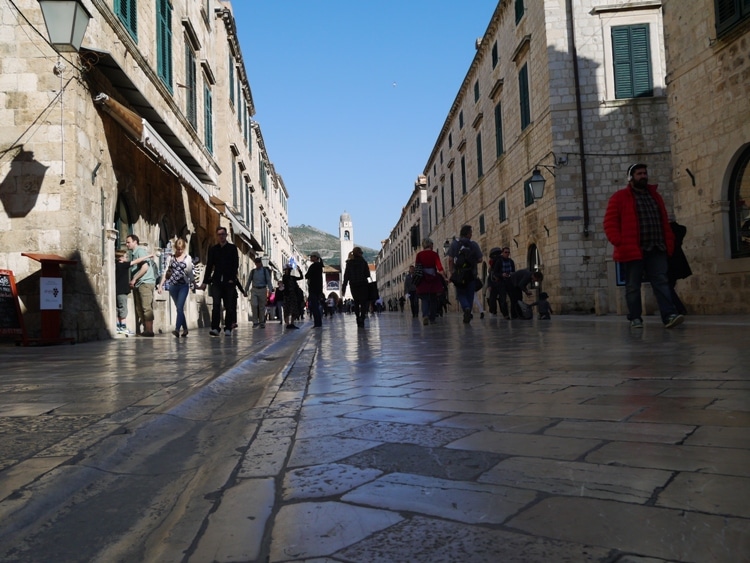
<point x="579" y="113"/>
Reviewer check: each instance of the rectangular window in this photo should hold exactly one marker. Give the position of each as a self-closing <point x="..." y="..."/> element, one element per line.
<point x="164" y="42"/>
<point x="482" y="228"/>
<point x="450" y="140"/>
<point x="231" y="79"/>
<point x="632" y="61"/>
<point x="234" y="183"/>
<point x="442" y="198"/>
<point x="453" y="193"/>
<point x="501" y="211"/>
<point x="191" y="106"/>
<point x="461" y="119"/>
<point x="208" y="118"/>
<point x="127" y="13"/>
<point x="463" y="174"/>
<point x="480" y="170"/>
<point x="476" y="91"/>
<point x="523" y="93"/>
<point x="494" y="55"/>
<point x="519" y="10"/>
<point x="729" y="13"/>
<point x="498" y="131"/>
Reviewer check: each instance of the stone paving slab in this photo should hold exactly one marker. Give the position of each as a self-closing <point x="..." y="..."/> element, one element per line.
<point x="472" y="503"/>
<point x="573" y="478"/>
<point x="674" y="535"/>
<point x="429" y="540"/>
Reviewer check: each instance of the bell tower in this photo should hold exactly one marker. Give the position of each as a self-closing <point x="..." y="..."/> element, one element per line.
<point x="346" y="237"/>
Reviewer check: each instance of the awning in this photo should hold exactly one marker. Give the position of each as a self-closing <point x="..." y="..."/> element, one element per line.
<point x="239" y="228"/>
<point x="138" y="103"/>
<point x="139" y="128"/>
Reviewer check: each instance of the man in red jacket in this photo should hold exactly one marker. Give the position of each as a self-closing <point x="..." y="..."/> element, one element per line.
<point x="637" y="225"/>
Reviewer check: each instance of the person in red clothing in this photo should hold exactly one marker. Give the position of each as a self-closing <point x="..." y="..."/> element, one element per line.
<point x="431" y="285"/>
<point x="637" y="225"/>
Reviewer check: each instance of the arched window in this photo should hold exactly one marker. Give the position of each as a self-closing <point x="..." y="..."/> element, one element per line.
<point x="739" y="206"/>
<point x="123" y="222"/>
<point x="346" y="235"/>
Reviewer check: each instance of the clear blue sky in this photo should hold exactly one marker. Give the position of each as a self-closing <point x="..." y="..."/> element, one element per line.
<point x="351" y="96"/>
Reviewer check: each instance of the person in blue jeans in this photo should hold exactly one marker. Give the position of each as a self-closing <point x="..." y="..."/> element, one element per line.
<point x="178" y="277"/>
<point x="464" y="287"/>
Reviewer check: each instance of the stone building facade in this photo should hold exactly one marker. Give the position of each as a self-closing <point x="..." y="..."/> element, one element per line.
<point x="148" y="129"/>
<point x="575" y="91"/>
<point x="708" y="83"/>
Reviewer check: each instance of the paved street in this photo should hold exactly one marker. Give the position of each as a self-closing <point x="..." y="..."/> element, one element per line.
<point x="575" y="439"/>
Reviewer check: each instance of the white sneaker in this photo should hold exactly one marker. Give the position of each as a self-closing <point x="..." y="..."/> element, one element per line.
<point x="213" y="332"/>
<point x="227" y="332"/>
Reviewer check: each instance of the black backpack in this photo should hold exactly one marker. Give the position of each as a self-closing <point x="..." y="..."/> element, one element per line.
<point x="463" y="271"/>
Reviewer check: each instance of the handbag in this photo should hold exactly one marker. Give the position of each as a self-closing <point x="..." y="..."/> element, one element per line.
<point x="418" y="274"/>
<point x="478" y="285"/>
<point x="372" y="291"/>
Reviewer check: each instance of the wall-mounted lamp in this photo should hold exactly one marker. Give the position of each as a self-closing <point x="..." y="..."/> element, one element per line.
<point x="537" y="180"/>
<point x="66" y="22"/>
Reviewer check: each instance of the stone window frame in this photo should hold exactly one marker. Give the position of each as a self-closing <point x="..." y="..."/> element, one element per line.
<point x="617" y="16"/>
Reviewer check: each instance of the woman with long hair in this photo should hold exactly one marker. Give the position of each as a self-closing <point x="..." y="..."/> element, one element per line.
<point x="356" y="274"/>
<point x="179" y="277"/>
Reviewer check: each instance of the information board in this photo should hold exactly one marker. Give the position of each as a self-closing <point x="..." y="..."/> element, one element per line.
<point x="11" y="320"/>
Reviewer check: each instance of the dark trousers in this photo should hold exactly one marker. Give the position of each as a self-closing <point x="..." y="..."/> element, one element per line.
<point x="315" y="310"/>
<point x="225" y="293"/>
<point x="654" y="267"/>
<point x="414" y="302"/>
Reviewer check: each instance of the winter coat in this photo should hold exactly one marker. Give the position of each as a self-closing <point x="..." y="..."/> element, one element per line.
<point x="623" y="230"/>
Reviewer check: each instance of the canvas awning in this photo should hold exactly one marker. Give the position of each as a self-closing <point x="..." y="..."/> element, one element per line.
<point x="144" y="133"/>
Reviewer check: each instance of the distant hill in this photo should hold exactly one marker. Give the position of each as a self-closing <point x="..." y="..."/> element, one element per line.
<point x="308" y="238"/>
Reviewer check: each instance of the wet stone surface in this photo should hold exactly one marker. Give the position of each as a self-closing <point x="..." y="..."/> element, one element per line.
<point x="428" y="436"/>
<point x="419" y="460"/>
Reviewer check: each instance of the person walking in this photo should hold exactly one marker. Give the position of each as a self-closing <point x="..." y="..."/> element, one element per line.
<point x="142" y="281"/>
<point x="178" y="277"/>
<point x="356" y="274"/>
<point x="410" y="289"/>
<point x="464" y="256"/>
<point x="221" y="271"/>
<point x="637" y="225"/>
<point x="259" y="287"/>
<point x="292" y="301"/>
<point x="431" y="286"/>
<point x="314" y="276"/>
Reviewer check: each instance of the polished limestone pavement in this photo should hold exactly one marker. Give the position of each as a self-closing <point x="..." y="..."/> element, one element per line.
<point x="573" y="439"/>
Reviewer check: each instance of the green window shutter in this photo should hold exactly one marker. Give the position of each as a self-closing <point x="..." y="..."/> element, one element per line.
<point x="519" y="10"/>
<point x="231" y="79"/>
<point x="523" y="92"/>
<point x="127" y="13"/>
<point x="498" y="131"/>
<point x="208" y="119"/>
<point x="164" y="42"/>
<point x="463" y="174"/>
<point x="631" y="52"/>
<point x="502" y="213"/>
<point x="528" y="194"/>
<point x="480" y="169"/>
<point x="190" y="79"/>
<point x="729" y="13"/>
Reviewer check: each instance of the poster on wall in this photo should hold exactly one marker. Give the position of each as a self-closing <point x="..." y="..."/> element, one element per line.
<point x="50" y="295"/>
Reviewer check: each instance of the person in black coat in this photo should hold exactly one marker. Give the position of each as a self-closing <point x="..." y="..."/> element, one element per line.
<point x="356" y="275"/>
<point x="314" y="277"/>
<point x="678" y="266"/>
